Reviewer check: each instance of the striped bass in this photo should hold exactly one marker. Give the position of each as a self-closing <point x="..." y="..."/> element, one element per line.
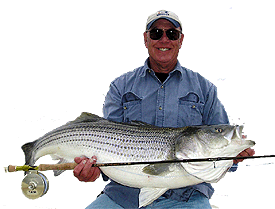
<point x="113" y="142"/>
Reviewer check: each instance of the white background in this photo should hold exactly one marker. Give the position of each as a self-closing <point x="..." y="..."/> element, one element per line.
<point x="57" y="59"/>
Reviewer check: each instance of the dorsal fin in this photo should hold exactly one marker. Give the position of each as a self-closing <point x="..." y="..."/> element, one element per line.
<point x="86" y="117"/>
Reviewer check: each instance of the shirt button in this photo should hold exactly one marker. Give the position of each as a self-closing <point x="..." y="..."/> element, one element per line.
<point x="161" y="87"/>
<point x="160" y="108"/>
<point x="124" y="108"/>
<point x="194" y="106"/>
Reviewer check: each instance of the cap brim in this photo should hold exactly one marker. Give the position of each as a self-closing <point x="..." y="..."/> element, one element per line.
<point x="174" y="22"/>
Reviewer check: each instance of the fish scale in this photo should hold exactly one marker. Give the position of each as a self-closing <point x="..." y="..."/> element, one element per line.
<point x="109" y="141"/>
<point x="117" y="140"/>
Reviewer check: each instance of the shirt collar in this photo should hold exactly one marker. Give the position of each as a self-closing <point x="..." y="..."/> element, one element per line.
<point x="147" y="69"/>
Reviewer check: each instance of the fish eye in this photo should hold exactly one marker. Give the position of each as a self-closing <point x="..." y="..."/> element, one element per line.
<point x="218" y="130"/>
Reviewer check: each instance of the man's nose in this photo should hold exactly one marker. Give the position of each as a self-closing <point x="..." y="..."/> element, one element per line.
<point x="164" y="38"/>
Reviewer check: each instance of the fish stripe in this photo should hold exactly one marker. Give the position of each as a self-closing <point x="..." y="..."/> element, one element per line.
<point x="118" y="140"/>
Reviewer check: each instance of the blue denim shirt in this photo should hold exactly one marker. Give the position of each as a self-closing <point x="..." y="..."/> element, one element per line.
<point x="185" y="98"/>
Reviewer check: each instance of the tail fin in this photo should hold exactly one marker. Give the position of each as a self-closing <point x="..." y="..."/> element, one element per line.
<point x="28" y="149"/>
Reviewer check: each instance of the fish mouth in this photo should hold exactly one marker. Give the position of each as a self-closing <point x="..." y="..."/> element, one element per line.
<point x="235" y="133"/>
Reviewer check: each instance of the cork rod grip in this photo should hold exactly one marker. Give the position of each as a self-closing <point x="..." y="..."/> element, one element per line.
<point x="63" y="166"/>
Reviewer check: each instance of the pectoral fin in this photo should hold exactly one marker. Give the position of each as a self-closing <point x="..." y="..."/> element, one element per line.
<point x="61" y="160"/>
<point x="156" y="169"/>
<point x="149" y="195"/>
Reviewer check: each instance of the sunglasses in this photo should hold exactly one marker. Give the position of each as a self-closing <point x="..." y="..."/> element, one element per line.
<point x="172" y="34"/>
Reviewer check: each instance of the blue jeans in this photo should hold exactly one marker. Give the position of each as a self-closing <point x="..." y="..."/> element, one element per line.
<point x="197" y="200"/>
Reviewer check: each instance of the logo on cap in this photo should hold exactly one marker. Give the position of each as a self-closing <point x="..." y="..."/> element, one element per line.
<point x="162" y="12"/>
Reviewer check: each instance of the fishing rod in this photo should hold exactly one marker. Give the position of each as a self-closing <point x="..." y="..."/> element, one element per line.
<point x="36" y="184"/>
<point x="71" y="166"/>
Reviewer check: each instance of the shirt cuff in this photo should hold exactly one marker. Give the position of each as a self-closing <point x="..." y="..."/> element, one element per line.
<point x="233" y="168"/>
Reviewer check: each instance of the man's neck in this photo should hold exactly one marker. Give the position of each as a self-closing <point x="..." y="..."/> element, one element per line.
<point x="161" y="67"/>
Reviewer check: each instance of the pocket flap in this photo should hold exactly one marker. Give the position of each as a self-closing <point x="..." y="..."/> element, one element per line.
<point x="130" y="97"/>
<point x="190" y="97"/>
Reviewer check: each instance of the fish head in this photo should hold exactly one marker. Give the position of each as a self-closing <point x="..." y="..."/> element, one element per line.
<point x="210" y="142"/>
<point x="215" y="135"/>
<point x="207" y="141"/>
<point x="237" y="141"/>
<point x="220" y="135"/>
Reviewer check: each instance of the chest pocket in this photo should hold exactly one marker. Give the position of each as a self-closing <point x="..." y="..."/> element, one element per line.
<point x="190" y="110"/>
<point x="131" y="107"/>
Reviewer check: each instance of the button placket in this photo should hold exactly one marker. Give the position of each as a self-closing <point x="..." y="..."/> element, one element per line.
<point x="160" y="106"/>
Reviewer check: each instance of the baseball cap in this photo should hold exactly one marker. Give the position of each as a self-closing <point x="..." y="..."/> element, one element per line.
<point x="163" y="14"/>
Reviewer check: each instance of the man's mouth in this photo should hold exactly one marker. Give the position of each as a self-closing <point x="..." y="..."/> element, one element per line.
<point x="163" y="49"/>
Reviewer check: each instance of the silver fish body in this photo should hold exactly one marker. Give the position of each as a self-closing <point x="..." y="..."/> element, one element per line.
<point x="110" y="141"/>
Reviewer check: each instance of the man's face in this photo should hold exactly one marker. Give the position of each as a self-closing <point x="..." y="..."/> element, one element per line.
<point x="164" y="50"/>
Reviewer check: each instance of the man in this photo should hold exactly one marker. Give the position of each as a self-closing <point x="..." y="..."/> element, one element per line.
<point x="165" y="94"/>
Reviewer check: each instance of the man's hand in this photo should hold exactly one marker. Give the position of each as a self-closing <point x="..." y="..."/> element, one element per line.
<point x="84" y="170"/>
<point x="245" y="153"/>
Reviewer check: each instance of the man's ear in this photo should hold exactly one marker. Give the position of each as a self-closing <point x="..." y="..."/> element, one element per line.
<point x="145" y="39"/>
<point x="181" y="39"/>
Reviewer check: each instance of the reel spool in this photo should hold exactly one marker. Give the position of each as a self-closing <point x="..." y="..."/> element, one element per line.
<point x="34" y="185"/>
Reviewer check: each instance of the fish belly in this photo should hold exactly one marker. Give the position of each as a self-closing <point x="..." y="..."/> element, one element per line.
<point x="133" y="176"/>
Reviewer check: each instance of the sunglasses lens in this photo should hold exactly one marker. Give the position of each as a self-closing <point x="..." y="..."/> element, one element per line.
<point x="172" y="34"/>
<point x="156" y="34"/>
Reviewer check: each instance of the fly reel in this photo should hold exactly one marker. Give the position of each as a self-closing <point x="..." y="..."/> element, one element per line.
<point x="35" y="184"/>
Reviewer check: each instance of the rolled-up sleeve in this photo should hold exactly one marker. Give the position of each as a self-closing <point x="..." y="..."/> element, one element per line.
<point x="112" y="108"/>
<point x="214" y="112"/>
